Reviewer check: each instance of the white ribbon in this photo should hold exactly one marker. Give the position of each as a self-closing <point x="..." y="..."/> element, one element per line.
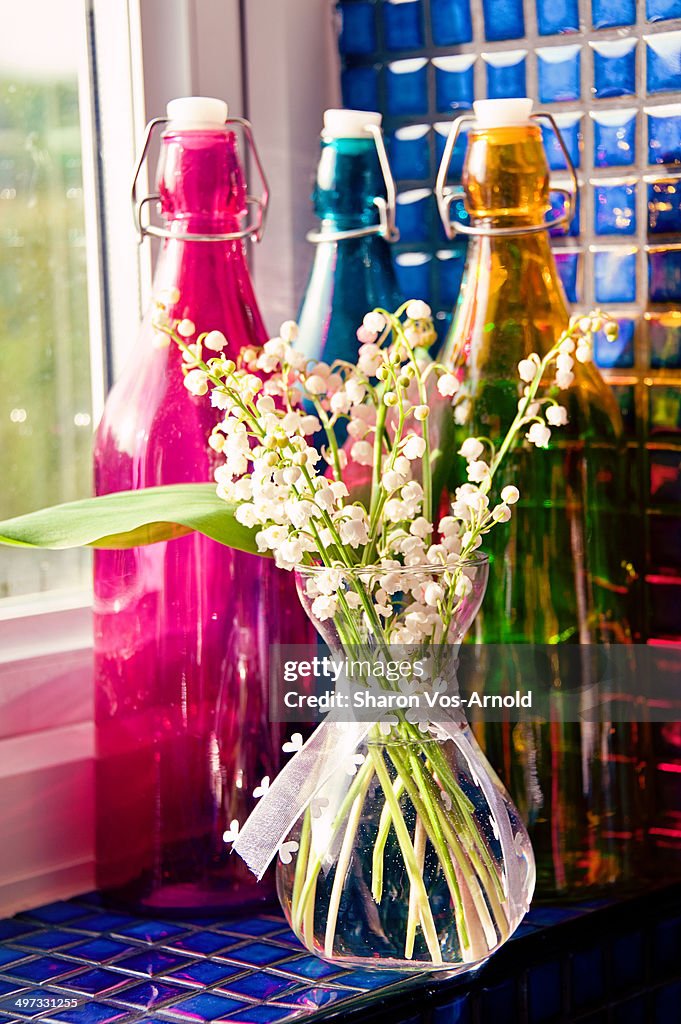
<point x="326" y="753"/>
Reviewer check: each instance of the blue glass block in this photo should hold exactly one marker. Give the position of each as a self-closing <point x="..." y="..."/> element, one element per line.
<point x="456" y="1012"/>
<point x="558" y="68"/>
<point x="260" y="985"/>
<point x="261" y="1014"/>
<point x="664" y="207"/>
<point x="359" y="88"/>
<point x="205" y="972"/>
<point x="9" y="987"/>
<point x="667" y="943"/>
<point x="259" y="954"/>
<point x="506" y="74"/>
<point x="627" y="960"/>
<point x="207" y="1006"/>
<point x="556" y="16"/>
<point x="403" y="24"/>
<point x="558" y="203"/>
<point x="664" y="275"/>
<point x="615" y="275"/>
<point x="151" y="962"/>
<point x="99" y="950"/>
<point x="614" y="68"/>
<point x="44" y="968"/>
<point x="665" y="489"/>
<point x="10" y="956"/>
<point x="409" y="155"/>
<point x="454" y="82"/>
<point x="615" y="208"/>
<point x="310" y="968"/>
<point x="91" y="1013"/>
<point x="358" y="28"/>
<point x="568" y="268"/>
<point x="450" y="22"/>
<point x="413" y="274"/>
<point x="56" y="913"/>
<point x="663" y="62"/>
<point x="664" y="340"/>
<point x="451" y="263"/>
<point x="407" y="86"/>
<point x="612" y="13"/>
<point x="618" y="353"/>
<point x="412" y="214"/>
<point x="368" y="980"/>
<point x="587" y="977"/>
<point x="626" y="400"/>
<point x="12" y="929"/>
<point x="504" y="19"/>
<point x="95" y="981"/>
<point x="150" y="931"/>
<point x="544" y="992"/>
<point x="204" y="943"/>
<point x="570" y="127"/>
<point x="456" y="165"/>
<point x="662" y="10"/>
<point x="614" y="138"/>
<point x="499" y="1003"/>
<point x="664" y="135"/>
<point x="52" y="938"/>
<point x="149" y="994"/>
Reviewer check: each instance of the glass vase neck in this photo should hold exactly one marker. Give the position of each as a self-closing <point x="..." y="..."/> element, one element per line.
<point x="506" y="177"/>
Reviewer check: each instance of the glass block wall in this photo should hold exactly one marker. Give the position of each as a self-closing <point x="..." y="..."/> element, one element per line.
<point x="610" y="73"/>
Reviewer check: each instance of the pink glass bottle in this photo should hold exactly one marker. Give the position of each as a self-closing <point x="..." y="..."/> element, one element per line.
<point x="183" y="628"/>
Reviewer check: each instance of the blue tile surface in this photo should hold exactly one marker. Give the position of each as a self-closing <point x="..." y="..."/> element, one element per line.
<point x="151" y="962"/>
<point x="664" y="275"/>
<point x="664" y="207"/>
<point x="90" y="1013"/>
<point x="409" y="153"/>
<point x="206" y="972"/>
<point x="149" y="994"/>
<point x="663" y="10"/>
<point x="41" y="969"/>
<point x="618" y="353"/>
<point x="663" y="62"/>
<point x="259" y="985"/>
<point x="207" y="1007"/>
<point x="56" y="913"/>
<point x="664" y="136"/>
<point x="204" y="943"/>
<point x="258" y="954"/>
<point x="95" y="982"/>
<point x="407" y="86"/>
<point x="49" y="939"/>
<point x="99" y="950"/>
<point x="453" y="83"/>
<point x="559" y="73"/>
<point x="568" y="267"/>
<point x="359" y="87"/>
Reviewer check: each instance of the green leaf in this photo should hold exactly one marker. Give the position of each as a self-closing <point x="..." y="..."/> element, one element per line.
<point x="130" y="518"/>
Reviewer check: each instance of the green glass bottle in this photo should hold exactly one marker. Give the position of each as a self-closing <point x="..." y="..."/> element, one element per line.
<point x="559" y="572"/>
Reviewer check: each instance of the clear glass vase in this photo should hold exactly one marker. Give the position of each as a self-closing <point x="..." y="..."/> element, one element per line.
<point x="411" y="855"/>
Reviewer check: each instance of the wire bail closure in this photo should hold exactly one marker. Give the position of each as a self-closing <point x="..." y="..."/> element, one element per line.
<point x="254" y="230"/>
<point x="386" y="207"/>
<point x="446" y="195"/>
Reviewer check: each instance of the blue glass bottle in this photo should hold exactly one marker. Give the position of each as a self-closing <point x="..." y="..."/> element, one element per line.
<point x="352" y="270"/>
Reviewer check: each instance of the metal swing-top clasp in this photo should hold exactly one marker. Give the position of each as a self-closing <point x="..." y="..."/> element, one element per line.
<point x="446" y="194"/>
<point x="254" y="230"/>
<point x="386" y="207"/>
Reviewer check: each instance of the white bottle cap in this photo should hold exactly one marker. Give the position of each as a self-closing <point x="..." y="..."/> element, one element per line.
<point x="191" y="112"/>
<point x="349" y="124"/>
<point x="502" y="113"/>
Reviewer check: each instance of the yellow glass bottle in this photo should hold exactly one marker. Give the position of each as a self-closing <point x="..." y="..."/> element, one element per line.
<point x="559" y="571"/>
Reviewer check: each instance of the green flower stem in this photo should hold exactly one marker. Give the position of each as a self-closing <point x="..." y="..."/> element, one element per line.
<point x="410" y="862"/>
<point x="342" y="865"/>
<point x="315" y="864"/>
<point x="379" y="845"/>
<point x="414" y="917"/>
<point x="432" y="826"/>
<point x="302" y="856"/>
<point x="381" y="414"/>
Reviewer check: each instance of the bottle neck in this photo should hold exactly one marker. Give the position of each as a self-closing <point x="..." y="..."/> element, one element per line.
<point x="201" y="182"/>
<point x="349" y="179"/>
